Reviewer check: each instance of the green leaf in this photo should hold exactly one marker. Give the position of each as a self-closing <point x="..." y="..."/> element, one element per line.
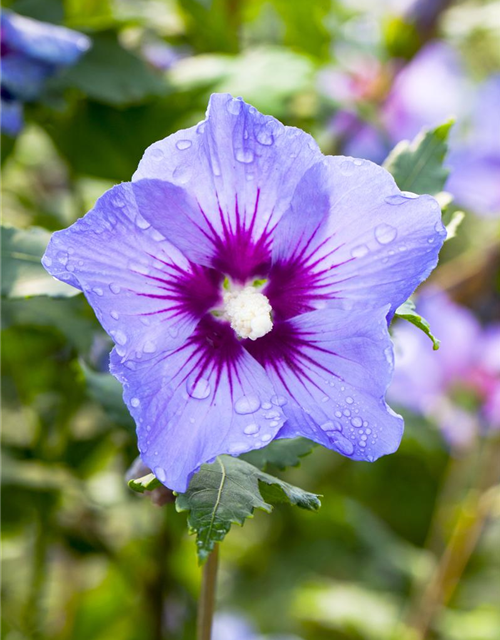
<point x="22" y="272"/>
<point x="108" y="392"/>
<point x="267" y="77"/>
<point x="280" y="453"/>
<point x="226" y="492"/>
<point x="407" y="312"/>
<point x="146" y="483"/>
<point x="110" y="74"/>
<point x="417" y="166"/>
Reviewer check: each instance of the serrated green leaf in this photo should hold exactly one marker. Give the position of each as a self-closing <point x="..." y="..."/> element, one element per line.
<point x="227" y="492"/>
<point x="417" y="166"/>
<point x="280" y="453"/>
<point x="22" y="272"/>
<point x="108" y="392"/>
<point x="146" y="483"/>
<point x="407" y="312"/>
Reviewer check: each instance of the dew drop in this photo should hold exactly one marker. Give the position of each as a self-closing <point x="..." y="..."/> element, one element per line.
<point x="183" y="144"/>
<point x="149" y="347"/>
<point x="120" y="337"/>
<point x="398" y="198"/>
<point x="362" y="443"/>
<point x="338" y="414"/>
<point x="342" y="444"/>
<point x="349" y="400"/>
<point x="347" y="168"/>
<point x="251" y="429"/>
<point x="360" y="251"/>
<point x="135" y="402"/>
<point x="114" y="314"/>
<point x="114" y="288"/>
<point x="331" y="426"/>
<point x="346" y="412"/>
<point x="98" y="291"/>
<point x="62" y="257"/>
<point x="272" y="415"/>
<point x="142" y="223"/>
<point x="160" y="473"/>
<point x="279" y="401"/>
<point x="198" y="388"/>
<point x="357" y="422"/>
<point x="47" y="261"/>
<point x="266" y="405"/>
<point x="245" y="156"/>
<point x="267" y="436"/>
<point x="236" y="448"/>
<point x="234" y="106"/>
<point x="247" y="404"/>
<point x="385" y="234"/>
<point x="201" y="127"/>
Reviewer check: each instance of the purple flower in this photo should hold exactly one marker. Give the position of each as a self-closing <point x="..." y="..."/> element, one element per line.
<point x="466" y="367"/>
<point x="475" y="163"/>
<point x="357" y="137"/>
<point x="246" y="280"/>
<point x="426" y="92"/>
<point x="32" y="51"/>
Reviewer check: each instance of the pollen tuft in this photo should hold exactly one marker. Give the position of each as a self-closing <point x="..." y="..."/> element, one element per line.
<point x="248" y="312"/>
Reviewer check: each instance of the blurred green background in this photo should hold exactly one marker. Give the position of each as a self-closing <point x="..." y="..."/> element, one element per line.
<point x="85" y="558"/>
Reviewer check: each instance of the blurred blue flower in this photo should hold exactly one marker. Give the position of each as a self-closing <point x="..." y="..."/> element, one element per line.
<point x="475" y="161"/>
<point x="234" y="626"/>
<point x="246" y="280"/>
<point x="31" y="52"/>
<point x="162" y="55"/>
<point x="426" y="92"/>
<point x="457" y="386"/>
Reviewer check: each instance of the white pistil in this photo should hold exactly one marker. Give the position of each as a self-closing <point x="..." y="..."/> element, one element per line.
<point x="249" y="312"/>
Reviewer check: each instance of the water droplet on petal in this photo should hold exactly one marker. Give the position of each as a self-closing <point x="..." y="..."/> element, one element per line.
<point x="115" y="288"/>
<point x="341" y="443"/>
<point x="338" y="414"/>
<point x="247" y="404"/>
<point x="135" y="402"/>
<point x="331" y="426"/>
<point x="272" y="415"/>
<point x="47" y="261"/>
<point x="279" y="401"/>
<point x="156" y="153"/>
<point x="267" y="436"/>
<point x="98" y="291"/>
<point x="160" y="474"/>
<point x="251" y="429"/>
<point x="359" y="251"/>
<point x="119" y="337"/>
<point x="62" y="257"/>
<point x="357" y="422"/>
<point x="266" y="405"/>
<point x="385" y="234"/>
<point x="349" y="400"/>
<point x="183" y="144"/>
<point x="142" y="223"/>
<point x="114" y="314"/>
<point x="346" y="412"/>
<point x="399" y="198"/>
<point x="149" y="347"/>
<point x="347" y="168"/>
<point x="198" y="388"/>
<point x="201" y="127"/>
<point x="234" y="106"/>
<point x="245" y="156"/>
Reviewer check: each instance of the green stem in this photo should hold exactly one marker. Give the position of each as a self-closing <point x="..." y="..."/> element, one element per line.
<point x="206" y="604"/>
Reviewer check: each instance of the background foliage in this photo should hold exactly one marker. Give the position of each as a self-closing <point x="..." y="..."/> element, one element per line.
<point x="83" y="556"/>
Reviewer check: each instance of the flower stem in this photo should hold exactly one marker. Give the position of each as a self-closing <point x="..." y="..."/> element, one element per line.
<point x="206" y="604"/>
